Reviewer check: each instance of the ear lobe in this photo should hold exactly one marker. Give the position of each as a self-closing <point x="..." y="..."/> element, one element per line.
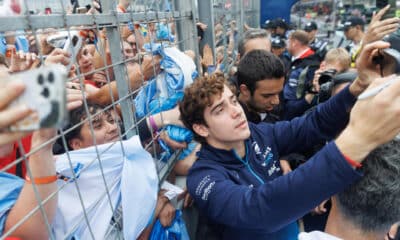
<point x="75" y="143"/>
<point x="201" y="130"/>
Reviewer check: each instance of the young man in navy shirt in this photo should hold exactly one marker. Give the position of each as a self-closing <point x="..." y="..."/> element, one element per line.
<point x="237" y="182"/>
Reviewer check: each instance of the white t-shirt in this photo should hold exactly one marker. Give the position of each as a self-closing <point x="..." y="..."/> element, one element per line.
<point x="317" y="235"/>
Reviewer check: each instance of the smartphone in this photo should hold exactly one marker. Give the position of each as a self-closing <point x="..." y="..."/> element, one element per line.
<point x="81" y="10"/>
<point x="72" y="45"/>
<point x="391" y="12"/>
<point x="71" y="42"/>
<point x="45" y="94"/>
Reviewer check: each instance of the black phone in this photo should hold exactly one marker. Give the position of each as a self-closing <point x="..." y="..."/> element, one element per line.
<point x="392" y="10"/>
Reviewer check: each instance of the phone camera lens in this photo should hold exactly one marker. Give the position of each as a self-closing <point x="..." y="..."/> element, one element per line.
<point x="50" y="78"/>
<point x="45" y="93"/>
<point x="40" y="79"/>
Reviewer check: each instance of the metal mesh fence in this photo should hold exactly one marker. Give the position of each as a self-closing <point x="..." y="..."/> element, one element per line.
<point x="108" y="68"/>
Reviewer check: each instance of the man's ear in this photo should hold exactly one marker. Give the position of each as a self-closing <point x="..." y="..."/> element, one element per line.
<point x="75" y="143"/>
<point x="322" y="65"/>
<point x="201" y="130"/>
<point x="244" y="90"/>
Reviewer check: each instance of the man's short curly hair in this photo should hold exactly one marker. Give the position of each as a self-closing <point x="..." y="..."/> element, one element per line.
<point x="197" y="98"/>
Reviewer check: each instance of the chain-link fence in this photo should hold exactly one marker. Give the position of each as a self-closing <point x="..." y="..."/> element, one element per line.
<point x="125" y="66"/>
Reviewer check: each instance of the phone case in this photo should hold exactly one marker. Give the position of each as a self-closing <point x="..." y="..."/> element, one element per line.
<point x="45" y="94"/>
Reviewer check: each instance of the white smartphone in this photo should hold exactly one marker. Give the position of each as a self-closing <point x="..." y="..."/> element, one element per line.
<point x="71" y="43"/>
<point x="45" y="95"/>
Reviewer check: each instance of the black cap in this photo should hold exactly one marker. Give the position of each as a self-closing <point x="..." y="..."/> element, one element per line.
<point x="353" y="21"/>
<point x="310" y="26"/>
<point x="278" y="43"/>
<point x="269" y="24"/>
<point x="279" y="22"/>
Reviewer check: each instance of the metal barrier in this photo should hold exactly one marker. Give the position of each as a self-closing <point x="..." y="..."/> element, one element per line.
<point x="227" y="16"/>
<point x="111" y="23"/>
<point x="109" y="27"/>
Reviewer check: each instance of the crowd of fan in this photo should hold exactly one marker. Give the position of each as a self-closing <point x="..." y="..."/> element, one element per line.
<point x="280" y="135"/>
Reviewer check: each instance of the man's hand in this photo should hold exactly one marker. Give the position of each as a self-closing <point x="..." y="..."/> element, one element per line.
<point x="74" y="95"/>
<point x="150" y="66"/>
<point x="378" y="28"/>
<point x="285" y="166"/>
<point x="207" y="56"/>
<point x="8" y="93"/>
<point x="320" y="209"/>
<point x="21" y="61"/>
<point x="167" y="215"/>
<point x="315" y="82"/>
<point x="58" y="56"/>
<point x="373" y="121"/>
<point x="367" y="69"/>
<point x="171" y="143"/>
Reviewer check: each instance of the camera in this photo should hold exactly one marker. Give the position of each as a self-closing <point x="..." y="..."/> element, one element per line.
<point x="325" y="81"/>
<point x="326" y="76"/>
<point x="327" y="88"/>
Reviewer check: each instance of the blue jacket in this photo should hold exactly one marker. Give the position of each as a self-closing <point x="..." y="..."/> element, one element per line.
<point x="249" y="198"/>
<point x="296" y="105"/>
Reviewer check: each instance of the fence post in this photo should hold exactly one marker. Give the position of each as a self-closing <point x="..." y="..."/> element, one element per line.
<point x="120" y="73"/>
<point x="186" y="28"/>
<point x="206" y="16"/>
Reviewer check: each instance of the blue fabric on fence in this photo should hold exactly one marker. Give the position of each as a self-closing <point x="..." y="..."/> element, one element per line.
<point x="132" y="181"/>
<point x="177" y="230"/>
<point x="166" y="89"/>
<point x="178" y="134"/>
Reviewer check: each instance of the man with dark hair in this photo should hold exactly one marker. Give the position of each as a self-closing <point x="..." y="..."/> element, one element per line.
<point x="254" y="39"/>
<point x="236" y="181"/>
<point x="368" y="208"/>
<point x="260" y="78"/>
<point x="304" y="63"/>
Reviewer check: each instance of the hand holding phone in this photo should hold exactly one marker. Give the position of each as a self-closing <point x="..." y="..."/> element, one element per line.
<point x="44" y="95"/>
<point x="70" y="42"/>
<point x="72" y="45"/>
<point x="8" y="93"/>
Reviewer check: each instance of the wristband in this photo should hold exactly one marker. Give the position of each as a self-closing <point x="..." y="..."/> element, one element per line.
<point x="42" y="180"/>
<point x="153" y="124"/>
<point x="10" y="52"/>
<point x="352" y="162"/>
